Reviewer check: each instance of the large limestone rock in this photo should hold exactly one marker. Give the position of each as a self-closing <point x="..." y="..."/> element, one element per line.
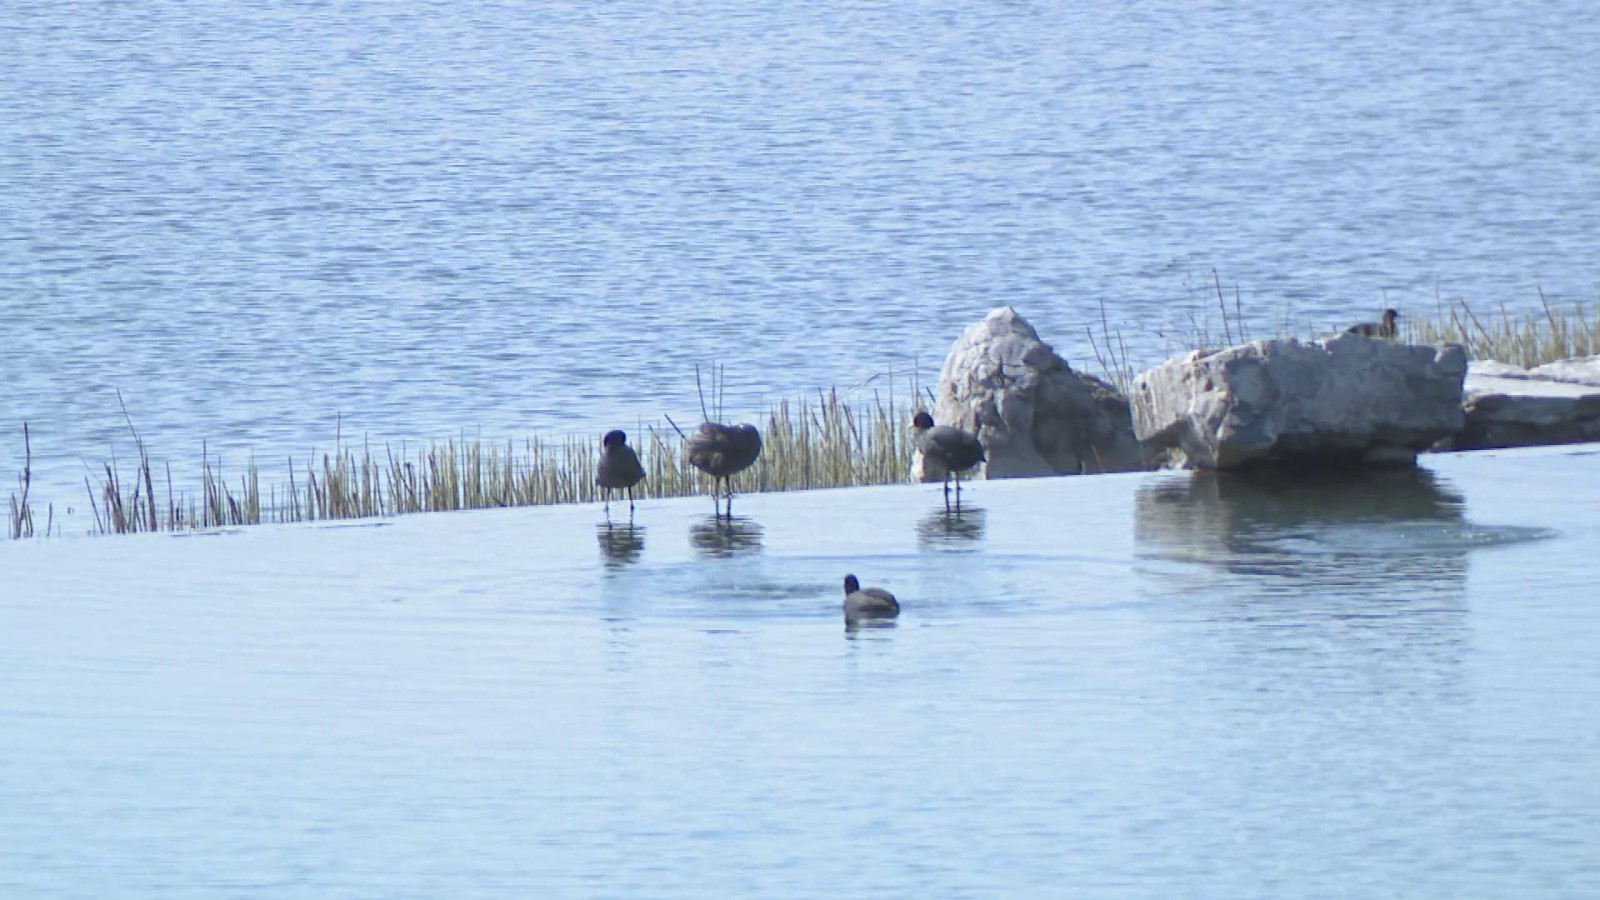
<point x="1347" y="399"/>
<point x="1033" y="413"/>
<point x="1509" y="406"/>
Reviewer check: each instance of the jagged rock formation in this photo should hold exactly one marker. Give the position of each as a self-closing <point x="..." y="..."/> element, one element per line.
<point x="1347" y="399"/>
<point x="1033" y="413"/>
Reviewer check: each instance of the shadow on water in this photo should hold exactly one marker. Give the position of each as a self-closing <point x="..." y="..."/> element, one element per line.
<point x="620" y="545"/>
<point x="726" y="536"/>
<point x="952" y="529"/>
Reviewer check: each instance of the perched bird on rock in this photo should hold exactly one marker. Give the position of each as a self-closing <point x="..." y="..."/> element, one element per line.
<point x="867" y="604"/>
<point x="1384" y="328"/>
<point x="618" y="469"/>
<point x="946" y="451"/>
<point x="723" y="451"/>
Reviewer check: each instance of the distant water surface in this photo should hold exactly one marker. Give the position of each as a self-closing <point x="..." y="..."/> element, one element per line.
<point x="407" y="220"/>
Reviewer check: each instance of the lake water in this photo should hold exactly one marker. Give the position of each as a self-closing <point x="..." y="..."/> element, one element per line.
<point x="409" y="220"/>
<point x="1151" y="685"/>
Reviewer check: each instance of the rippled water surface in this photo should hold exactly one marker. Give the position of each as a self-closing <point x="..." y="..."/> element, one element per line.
<point x="260" y="223"/>
<point x="416" y="218"/>
<point x="1132" y="686"/>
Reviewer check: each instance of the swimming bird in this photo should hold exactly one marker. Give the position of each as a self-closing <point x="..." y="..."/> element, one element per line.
<point x="618" y="468"/>
<point x="723" y="451"/>
<point x="1381" y="329"/>
<point x="869" y="603"/>
<point x="946" y="451"/>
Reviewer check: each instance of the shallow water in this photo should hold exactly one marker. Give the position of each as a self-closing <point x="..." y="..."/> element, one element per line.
<point x="1135" y="686"/>
<point x="266" y="224"/>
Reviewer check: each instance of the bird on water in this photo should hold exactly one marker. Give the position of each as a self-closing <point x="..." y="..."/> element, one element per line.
<point x="723" y="451"/>
<point x="865" y="604"/>
<point x="618" y="469"/>
<point x="946" y="451"/>
<point x="1384" y="328"/>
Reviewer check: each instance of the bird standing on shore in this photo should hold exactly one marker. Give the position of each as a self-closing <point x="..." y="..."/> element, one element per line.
<point x="723" y="451"/>
<point x="1384" y="328"/>
<point x="861" y="605"/>
<point x="618" y="469"/>
<point x="946" y="451"/>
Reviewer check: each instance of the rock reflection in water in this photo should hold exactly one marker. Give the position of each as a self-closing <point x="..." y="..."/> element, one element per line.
<point x="1380" y="531"/>
<point x="620" y="545"/>
<point x="730" y="536"/>
<point x="952" y="529"/>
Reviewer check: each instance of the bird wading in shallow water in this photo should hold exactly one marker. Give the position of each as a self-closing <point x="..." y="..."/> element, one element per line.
<point x="618" y="469"/>
<point x="723" y="451"/>
<point x="1383" y="328"/>
<point x="866" y="604"/>
<point x="946" y="452"/>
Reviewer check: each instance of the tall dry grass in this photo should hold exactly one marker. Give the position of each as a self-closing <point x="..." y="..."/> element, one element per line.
<point x="1553" y="333"/>
<point x="1524" y="340"/>
<point x="21" y="519"/>
<point x="817" y="442"/>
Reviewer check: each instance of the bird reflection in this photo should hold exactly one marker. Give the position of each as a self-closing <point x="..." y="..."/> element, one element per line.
<point x="867" y="628"/>
<point x="952" y="528"/>
<point x="726" y="536"/>
<point x="620" y="545"/>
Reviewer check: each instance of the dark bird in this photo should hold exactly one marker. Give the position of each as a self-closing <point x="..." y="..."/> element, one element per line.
<point x="946" y="451"/>
<point x="1381" y="329"/>
<point x="723" y="451"/>
<point x="866" y="604"/>
<point x="618" y="469"/>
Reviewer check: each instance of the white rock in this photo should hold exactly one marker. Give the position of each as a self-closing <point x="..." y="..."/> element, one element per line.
<point x="1582" y="370"/>
<point x="1346" y="399"/>
<point x="1509" y="406"/>
<point x="1033" y="413"/>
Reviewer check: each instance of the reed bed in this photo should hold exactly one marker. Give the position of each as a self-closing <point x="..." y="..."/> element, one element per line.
<point x="818" y="442"/>
<point x="1527" y="341"/>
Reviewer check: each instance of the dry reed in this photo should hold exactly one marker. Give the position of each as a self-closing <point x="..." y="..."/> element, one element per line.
<point x="1528" y="341"/>
<point x="820" y="443"/>
<point x="22" y="510"/>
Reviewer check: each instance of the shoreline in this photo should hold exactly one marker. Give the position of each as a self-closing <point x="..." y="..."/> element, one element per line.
<point x="810" y="444"/>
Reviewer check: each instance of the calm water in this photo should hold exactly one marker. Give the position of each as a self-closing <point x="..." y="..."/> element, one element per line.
<point x="1119" y="686"/>
<point x="255" y="218"/>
